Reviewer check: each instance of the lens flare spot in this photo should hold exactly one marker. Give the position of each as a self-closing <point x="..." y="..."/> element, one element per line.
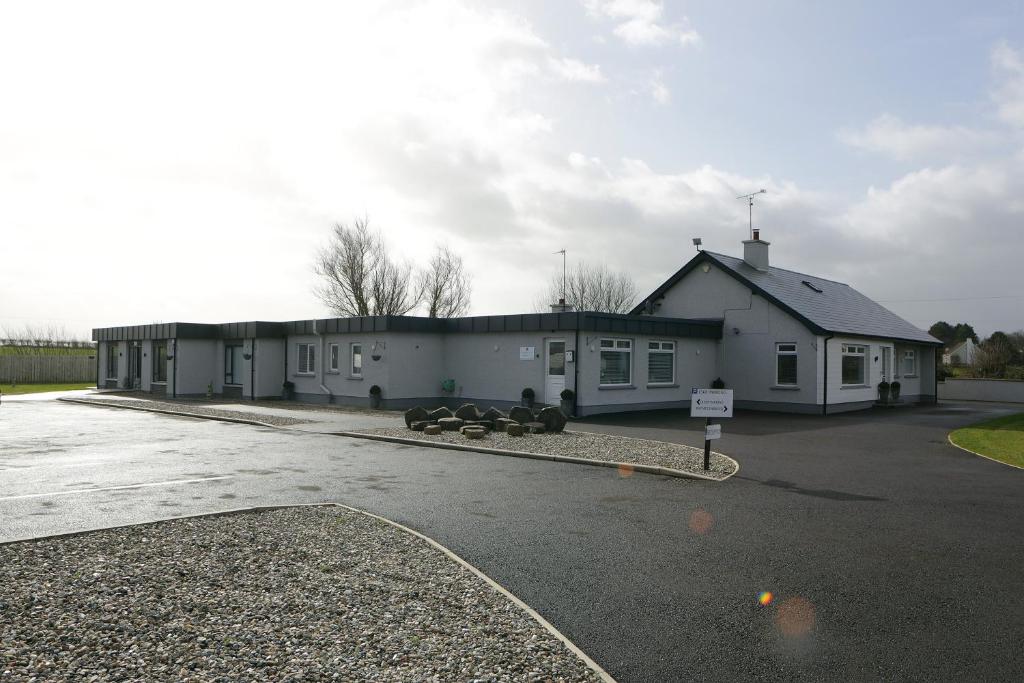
<point x="795" y="617"/>
<point x="765" y="598"/>
<point x="701" y="521"/>
<point x="625" y="470"/>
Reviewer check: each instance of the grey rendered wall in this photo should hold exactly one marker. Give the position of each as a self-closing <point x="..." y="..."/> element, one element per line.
<point x="487" y="369"/>
<point x="269" y="359"/>
<point x="196" y="366"/>
<point x="416" y="368"/>
<point x="695" y="366"/>
<point x="147" y="365"/>
<point x="1002" y="390"/>
<point x="751" y="328"/>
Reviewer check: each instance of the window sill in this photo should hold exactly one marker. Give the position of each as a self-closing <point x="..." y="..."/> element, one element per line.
<point x="614" y="387"/>
<point x="660" y="385"/>
<point x="229" y="384"/>
<point x="854" y="386"/>
<point x="785" y="387"/>
<point x="910" y="376"/>
<point x="334" y="372"/>
<point x="304" y="374"/>
<point x="357" y="378"/>
<point x="158" y="381"/>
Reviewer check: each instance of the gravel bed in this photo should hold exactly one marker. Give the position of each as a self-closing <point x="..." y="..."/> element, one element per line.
<point x="177" y="407"/>
<point x="298" y="594"/>
<point x="585" y="445"/>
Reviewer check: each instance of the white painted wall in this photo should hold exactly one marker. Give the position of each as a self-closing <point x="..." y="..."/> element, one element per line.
<point x="1001" y="390"/>
<point x="269" y="359"/>
<point x="196" y="366"/>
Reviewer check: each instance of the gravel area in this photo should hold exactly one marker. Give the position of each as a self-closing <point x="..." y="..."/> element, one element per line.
<point x="180" y="407"/>
<point x="298" y="594"/>
<point x="585" y="445"/>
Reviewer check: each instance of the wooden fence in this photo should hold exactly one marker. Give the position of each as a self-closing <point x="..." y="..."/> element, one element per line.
<point x="31" y="369"/>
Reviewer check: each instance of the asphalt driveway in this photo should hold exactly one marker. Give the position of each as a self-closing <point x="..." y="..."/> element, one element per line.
<point x="890" y="554"/>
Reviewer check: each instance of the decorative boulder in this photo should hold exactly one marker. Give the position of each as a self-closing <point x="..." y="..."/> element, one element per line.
<point x="486" y="424"/>
<point x="416" y="414"/>
<point x="419" y="425"/>
<point x="514" y="429"/>
<point x="492" y="414"/>
<point x="450" y="424"/>
<point x="435" y="415"/>
<point x="553" y="418"/>
<point x="432" y="430"/>
<point x="473" y="432"/>
<point x="534" y="427"/>
<point x="520" y="414"/>
<point x="467" y="411"/>
<point x="502" y="422"/>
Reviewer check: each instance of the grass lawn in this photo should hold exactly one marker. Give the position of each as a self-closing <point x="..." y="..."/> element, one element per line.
<point x="39" y="388"/>
<point x="1001" y="439"/>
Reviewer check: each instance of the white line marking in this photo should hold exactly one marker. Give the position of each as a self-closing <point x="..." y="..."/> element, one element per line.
<point x="116" y="488"/>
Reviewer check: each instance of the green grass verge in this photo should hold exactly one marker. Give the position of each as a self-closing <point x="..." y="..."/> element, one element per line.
<point x="8" y="390"/>
<point x="1001" y="439"/>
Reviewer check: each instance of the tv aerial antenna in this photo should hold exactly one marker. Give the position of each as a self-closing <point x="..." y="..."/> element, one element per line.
<point x="750" y="209"/>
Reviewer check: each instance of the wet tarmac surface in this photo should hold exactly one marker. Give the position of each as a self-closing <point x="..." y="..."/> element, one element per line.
<point x="889" y="553"/>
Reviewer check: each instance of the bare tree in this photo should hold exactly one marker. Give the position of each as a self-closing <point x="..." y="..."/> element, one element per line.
<point x="359" y="277"/>
<point x="31" y="339"/>
<point x="444" y="286"/>
<point x="590" y="287"/>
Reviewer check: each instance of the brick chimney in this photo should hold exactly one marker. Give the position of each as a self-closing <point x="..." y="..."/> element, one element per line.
<point x="755" y="252"/>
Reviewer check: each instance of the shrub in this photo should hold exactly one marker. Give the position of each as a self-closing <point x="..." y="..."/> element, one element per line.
<point x="718" y="383"/>
<point x="567" y="394"/>
<point x="528" y="393"/>
<point x="375" y="390"/>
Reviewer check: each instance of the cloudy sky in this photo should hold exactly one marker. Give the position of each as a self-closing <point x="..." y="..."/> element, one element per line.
<point x="184" y="161"/>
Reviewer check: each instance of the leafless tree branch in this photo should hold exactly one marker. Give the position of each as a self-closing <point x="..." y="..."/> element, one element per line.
<point x="590" y="287"/>
<point x="444" y="286"/>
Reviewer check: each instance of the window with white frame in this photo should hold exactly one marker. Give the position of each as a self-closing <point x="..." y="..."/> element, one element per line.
<point x="854" y="364"/>
<point x="356" y="354"/>
<point x="616" y="361"/>
<point x="785" y="364"/>
<point x="334" y="356"/>
<point x="909" y="362"/>
<point x="306" y="363"/>
<point x="661" y="362"/>
<point x="111" y="361"/>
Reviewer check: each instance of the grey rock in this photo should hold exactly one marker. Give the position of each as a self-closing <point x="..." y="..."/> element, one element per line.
<point x="467" y="411"/>
<point x="435" y="415"/>
<point x="473" y="432"/>
<point x="450" y="424"/>
<point x="514" y="429"/>
<point x="419" y="425"/>
<point x="534" y="427"/>
<point x="520" y="414"/>
<point x="432" y="430"/>
<point x="553" y="418"/>
<point x="502" y="422"/>
<point x="416" y="414"/>
<point x="492" y="414"/>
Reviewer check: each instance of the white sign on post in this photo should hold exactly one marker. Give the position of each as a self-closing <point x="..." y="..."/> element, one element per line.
<point x="712" y="432"/>
<point x="710" y="402"/>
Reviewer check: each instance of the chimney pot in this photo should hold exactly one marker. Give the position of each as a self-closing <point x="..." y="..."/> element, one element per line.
<point x="757" y="234"/>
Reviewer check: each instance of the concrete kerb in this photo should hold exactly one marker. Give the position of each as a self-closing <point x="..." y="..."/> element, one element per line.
<point x="949" y="438"/>
<point x="532" y="613"/>
<point x="636" y="467"/>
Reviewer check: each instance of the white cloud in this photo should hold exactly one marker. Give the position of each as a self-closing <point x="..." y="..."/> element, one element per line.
<point x="891" y="136"/>
<point x="1009" y="96"/>
<point x="641" y="22"/>
<point x="660" y="91"/>
<point x="575" y="70"/>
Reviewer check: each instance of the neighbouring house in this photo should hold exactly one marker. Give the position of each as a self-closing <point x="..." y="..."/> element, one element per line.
<point x="780" y="339"/>
<point x="960" y="354"/>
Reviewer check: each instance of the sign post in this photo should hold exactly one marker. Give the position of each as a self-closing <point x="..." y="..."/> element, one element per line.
<point x="710" y="404"/>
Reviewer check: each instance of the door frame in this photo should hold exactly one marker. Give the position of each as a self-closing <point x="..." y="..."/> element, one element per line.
<point x="549" y="400"/>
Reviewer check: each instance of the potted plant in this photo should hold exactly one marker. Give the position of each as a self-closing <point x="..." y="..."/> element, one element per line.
<point x="718" y="383"/>
<point x="288" y="391"/>
<point x="528" y="397"/>
<point x="894" y="390"/>
<point x="567" y="396"/>
<point x="883" y="391"/>
<point x="375" y="392"/>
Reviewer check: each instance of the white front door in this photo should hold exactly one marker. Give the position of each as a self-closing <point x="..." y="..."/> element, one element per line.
<point x="887" y="363"/>
<point x="554" y="371"/>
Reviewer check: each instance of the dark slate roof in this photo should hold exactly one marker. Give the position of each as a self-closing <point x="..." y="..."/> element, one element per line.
<point x="590" y="321"/>
<point x="836" y="308"/>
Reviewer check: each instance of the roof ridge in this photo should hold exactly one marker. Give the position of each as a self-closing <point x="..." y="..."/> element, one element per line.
<point x="795" y="272"/>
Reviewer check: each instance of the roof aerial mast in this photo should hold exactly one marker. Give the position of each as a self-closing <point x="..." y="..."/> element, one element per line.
<point x="750" y="211"/>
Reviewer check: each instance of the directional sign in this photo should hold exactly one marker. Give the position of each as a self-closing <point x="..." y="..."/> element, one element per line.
<point x="712" y="432"/>
<point x="710" y="402"/>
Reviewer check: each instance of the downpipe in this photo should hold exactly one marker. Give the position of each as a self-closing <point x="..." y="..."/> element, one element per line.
<point x="323" y="364"/>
